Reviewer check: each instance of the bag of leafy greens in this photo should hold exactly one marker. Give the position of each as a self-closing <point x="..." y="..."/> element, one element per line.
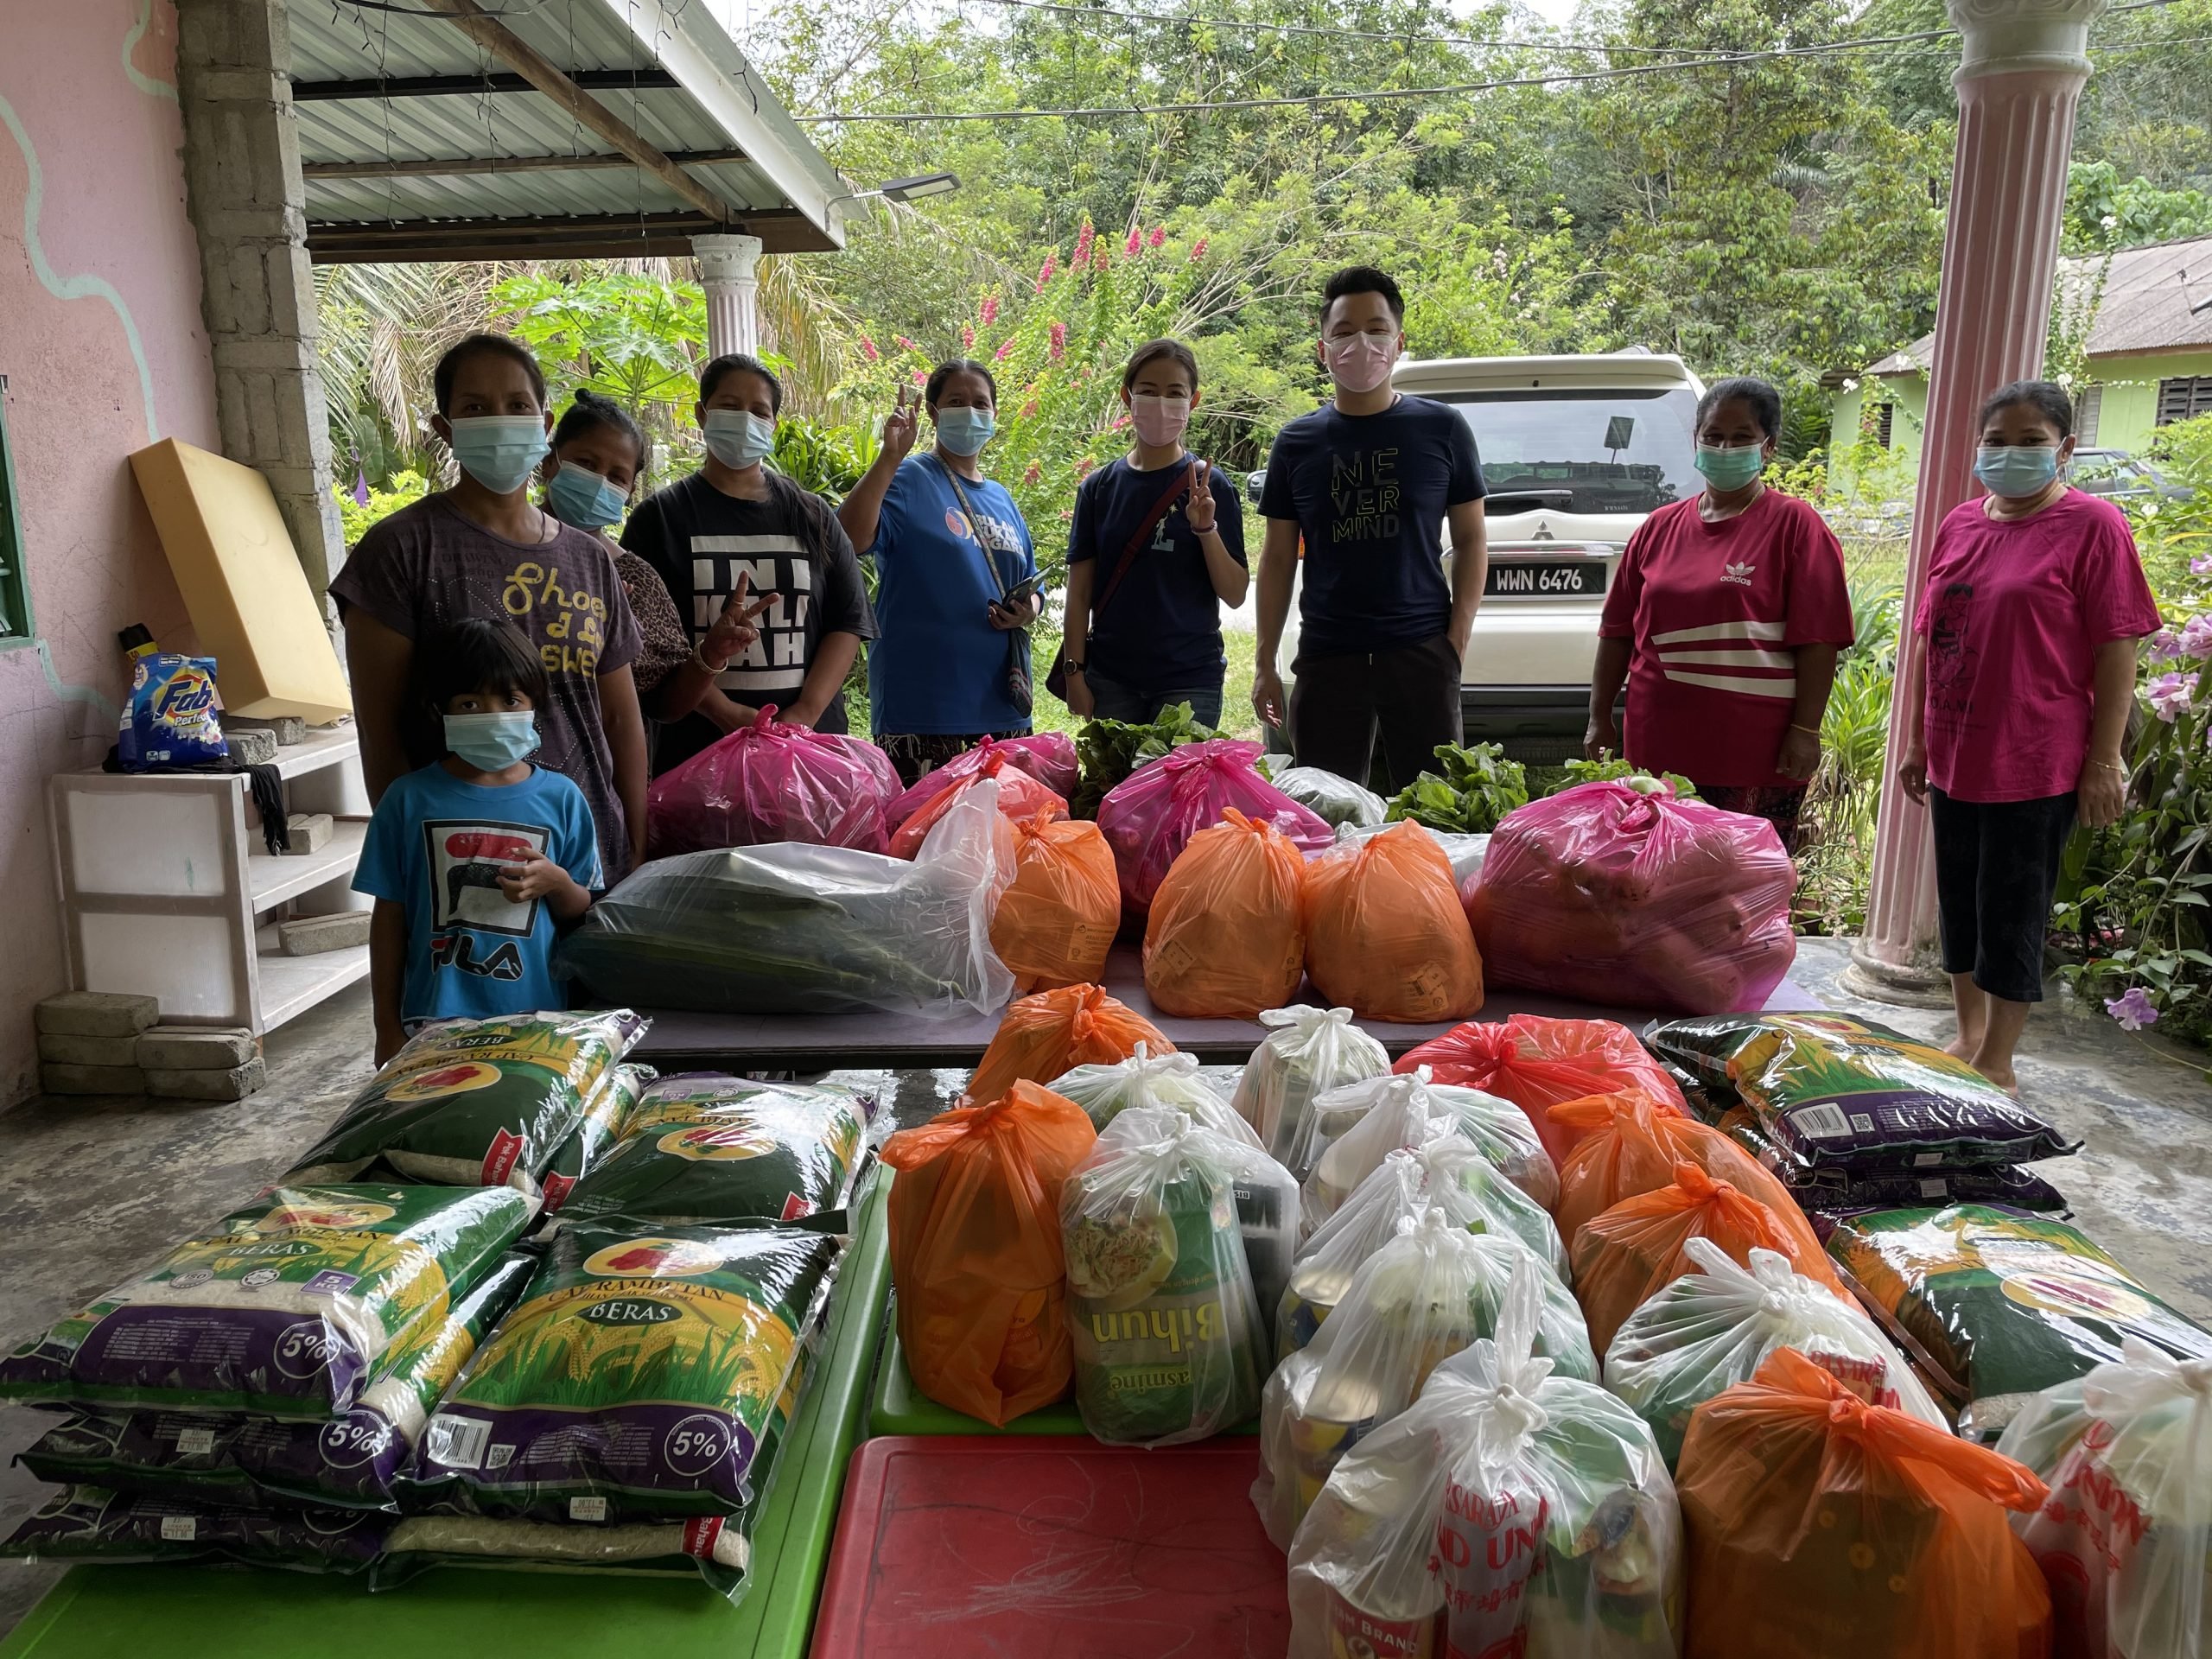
<point x="1472" y="790"/>
<point x="1109" y="750"/>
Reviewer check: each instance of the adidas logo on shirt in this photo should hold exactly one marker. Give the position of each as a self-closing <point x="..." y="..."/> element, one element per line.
<point x="1741" y="573"/>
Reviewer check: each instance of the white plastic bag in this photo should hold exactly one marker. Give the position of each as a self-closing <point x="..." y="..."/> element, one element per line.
<point x="1420" y="1299"/>
<point x="2126" y="1537"/>
<point x="1711" y="1330"/>
<point x="1146" y="1079"/>
<point x="1395" y="1111"/>
<point x="1508" y="1510"/>
<point x="795" y="929"/>
<point x="1465" y="852"/>
<point x="1338" y="801"/>
<point x="1310" y="1052"/>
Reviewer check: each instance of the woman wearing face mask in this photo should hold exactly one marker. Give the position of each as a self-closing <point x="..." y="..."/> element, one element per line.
<point x="955" y="586"/>
<point x="1155" y="549"/>
<point x="2019" y="696"/>
<point x="1729" y="609"/>
<point x="598" y="453"/>
<point x="734" y="527"/>
<point x="481" y="549"/>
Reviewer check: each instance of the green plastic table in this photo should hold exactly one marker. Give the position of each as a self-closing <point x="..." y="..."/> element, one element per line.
<point x="199" y="1612"/>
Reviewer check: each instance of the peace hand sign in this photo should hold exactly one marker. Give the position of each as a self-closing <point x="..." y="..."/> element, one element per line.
<point x="734" y="630"/>
<point x="1197" y="511"/>
<point x="901" y="425"/>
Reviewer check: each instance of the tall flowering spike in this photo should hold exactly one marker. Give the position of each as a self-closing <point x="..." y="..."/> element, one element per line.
<point x="1029" y="409"/>
<point x="906" y="345"/>
<point x="1082" y="469"/>
<point x="990" y="311"/>
<point x="1198" y="250"/>
<point x="1159" y="235"/>
<point x="1034" y="471"/>
<point x="1044" y="271"/>
<point x="967" y="337"/>
<point x="1058" y="335"/>
<point x="1005" y="351"/>
<point x="1083" y="240"/>
<point x="1137" y="240"/>
<point x="1100" y="256"/>
<point x="867" y="349"/>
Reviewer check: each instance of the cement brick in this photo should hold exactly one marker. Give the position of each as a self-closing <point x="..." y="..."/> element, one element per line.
<point x="195" y="1048"/>
<point x="250" y="747"/>
<point x="65" y="1050"/>
<point x="288" y="728"/>
<point x="236" y="1083"/>
<point x="97" y="1013"/>
<point x="58" y="1079"/>
<point x="310" y="832"/>
<point x="313" y="935"/>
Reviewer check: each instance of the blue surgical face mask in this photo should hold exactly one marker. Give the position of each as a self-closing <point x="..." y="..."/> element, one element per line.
<point x="493" y="742"/>
<point x="499" y="451"/>
<point x="581" y="497"/>
<point x="738" y="437"/>
<point x="965" y="431"/>
<point x="1732" y="468"/>
<point x="2015" y="470"/>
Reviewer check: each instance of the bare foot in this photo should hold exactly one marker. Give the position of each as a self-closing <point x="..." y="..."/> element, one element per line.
<point x="1961" y="1047"/>
<point x="2002" y="1076"/>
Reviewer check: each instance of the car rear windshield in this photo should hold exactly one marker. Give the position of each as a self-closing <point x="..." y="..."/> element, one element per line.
<point x="1582" y="450"/>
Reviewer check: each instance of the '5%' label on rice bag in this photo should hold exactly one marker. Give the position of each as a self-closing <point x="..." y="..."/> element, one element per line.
<point x="283" y="1308"/>
<point x="643" y="1370"/>
<point x="707" y="1149"/>
<point x="595" y="1133"/>
<point x="475" y="1103"/>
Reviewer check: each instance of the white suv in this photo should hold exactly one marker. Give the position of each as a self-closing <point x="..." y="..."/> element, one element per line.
<point x="1576" y="452"/>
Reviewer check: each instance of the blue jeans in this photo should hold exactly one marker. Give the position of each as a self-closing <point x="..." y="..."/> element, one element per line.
<point x="1114" y="701"/>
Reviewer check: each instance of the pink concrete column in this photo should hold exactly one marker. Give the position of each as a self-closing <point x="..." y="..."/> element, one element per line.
<point x="729" y="271"/>
<point x="2019" y="79"/>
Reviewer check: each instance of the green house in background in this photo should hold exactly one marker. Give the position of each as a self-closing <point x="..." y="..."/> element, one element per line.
<point x="2149" y="351"/>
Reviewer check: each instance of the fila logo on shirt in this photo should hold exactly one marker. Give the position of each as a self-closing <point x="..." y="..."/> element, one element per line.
<point x="1741" y="574"/>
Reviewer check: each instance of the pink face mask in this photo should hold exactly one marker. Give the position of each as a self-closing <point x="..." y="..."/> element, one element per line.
<point x="1359" y="362"/>
<point x="1159" y="420"/>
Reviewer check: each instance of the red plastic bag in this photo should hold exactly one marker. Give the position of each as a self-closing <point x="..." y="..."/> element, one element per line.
<point x="1821" y="1527"/>
<point x="1537" y="1063"/>
<point x="1021" y="798"/>
<point x="1611" y="895"/>
<point x="976" y="1253"/>
<point x="1151" y="814"/>
<point x="1046" y="1036"/>
<point x="1056" y="922"/>
<point x="770" y="782"/>
<point x="1049" y="756"/>
<point x="1227" y="935"/>
<point x="1384" y="933"/>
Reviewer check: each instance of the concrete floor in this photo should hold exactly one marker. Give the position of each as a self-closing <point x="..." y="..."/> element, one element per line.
<point x="91" y="1189"/>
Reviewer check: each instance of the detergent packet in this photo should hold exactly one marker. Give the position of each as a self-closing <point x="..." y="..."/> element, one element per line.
<point x="171" y="715"/>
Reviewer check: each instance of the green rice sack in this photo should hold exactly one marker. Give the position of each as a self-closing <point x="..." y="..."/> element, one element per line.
<point x="475" y="1103"/>
<point x="710" y="1149"/>
<point x="350" y="1462"/>
<point x="2003" y="1304"/>
<point x="284" y="1307"/>
<point x="639" y="1378"/>
<point x="596" y="1132"/>
<point x="85" y="1524"/>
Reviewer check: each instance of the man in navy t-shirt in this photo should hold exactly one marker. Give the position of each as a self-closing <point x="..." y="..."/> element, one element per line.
<point x="1366" y="482"/>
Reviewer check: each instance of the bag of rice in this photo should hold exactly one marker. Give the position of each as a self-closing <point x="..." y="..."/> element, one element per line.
<point x="1307" y="1052"/>
<point x="599" y="1127"/>
<point x="706" y="1150"/>
<point x="88" y="1523"/>
<point x="474" y="1103"/>
<point x="712" y="1547"/>
<point x="350" y="1462"/>
<point x="2002" y="1304"/>
<point x="1828" y="1190"/>
<point x="1833" y="1092"/>
<point x="638" y="1377"/>
<point x="283" y="1308"/>
<point x="1713" y="1328"/>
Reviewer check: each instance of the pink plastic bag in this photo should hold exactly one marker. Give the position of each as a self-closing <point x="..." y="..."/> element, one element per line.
<point x="1604" y="892"/>
<point x="1151" y="814"/>
<point x="768" y="782"/>
<point x="1021" y="797"/>
<point x="1049" y="756"/>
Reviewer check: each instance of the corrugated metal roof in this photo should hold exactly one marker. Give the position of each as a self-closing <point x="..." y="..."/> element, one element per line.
<point x="783" y="190"/>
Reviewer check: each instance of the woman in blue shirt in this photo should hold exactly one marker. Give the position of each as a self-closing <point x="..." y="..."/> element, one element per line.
<point x="955" y="567"/>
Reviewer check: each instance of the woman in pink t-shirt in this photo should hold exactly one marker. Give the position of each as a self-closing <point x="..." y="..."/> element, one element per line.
<point x="1725" y="619"/>
<point x="2034" y="604"/>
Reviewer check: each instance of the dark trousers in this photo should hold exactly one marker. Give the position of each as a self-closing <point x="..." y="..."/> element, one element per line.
<point x="1996" y="871"/>
<point x="1116" y="700"/>
<point x="1409" y="695"/>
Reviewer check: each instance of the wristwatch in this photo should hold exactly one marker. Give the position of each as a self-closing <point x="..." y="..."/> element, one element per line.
<point x="1069" y="665"/>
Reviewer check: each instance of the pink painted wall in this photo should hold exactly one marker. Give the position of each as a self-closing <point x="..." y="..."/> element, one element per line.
<point x="101" y="343"/>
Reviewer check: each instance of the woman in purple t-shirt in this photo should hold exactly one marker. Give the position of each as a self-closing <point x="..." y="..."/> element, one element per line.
<point x="2034" y="604"/>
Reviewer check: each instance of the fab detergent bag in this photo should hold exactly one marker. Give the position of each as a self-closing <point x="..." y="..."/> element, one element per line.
<point x="1307" y="1052"/>
<point x="172" y="716"/>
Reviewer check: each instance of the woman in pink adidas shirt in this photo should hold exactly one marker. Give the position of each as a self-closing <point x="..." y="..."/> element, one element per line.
<point x="1724" y="620"/>
<point x="2034" y="604"/>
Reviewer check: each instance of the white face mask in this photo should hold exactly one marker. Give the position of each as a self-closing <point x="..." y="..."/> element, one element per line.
<point x="1159" y="420"/>
<point x="1360" y="363"/>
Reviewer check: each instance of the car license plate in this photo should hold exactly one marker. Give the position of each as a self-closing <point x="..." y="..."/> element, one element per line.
<point x="1545" y="578"/>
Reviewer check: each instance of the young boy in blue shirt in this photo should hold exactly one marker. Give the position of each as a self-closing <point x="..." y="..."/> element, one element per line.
<point x="478" y="860"/>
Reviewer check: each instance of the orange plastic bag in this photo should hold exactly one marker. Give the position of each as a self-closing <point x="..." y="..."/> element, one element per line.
<point x="1020" y="796"/>
<point x="1052" y="1032"/>
<point x="1821" y="1527"/>
<point x="1536" y="1063"/>
<point x="1634" y="1250"/>
<point x="1057" y="919"/>
<point x="976" y="1255"/>
<point x="1626" y="1145"/>
<point x="1226" y="936"/>
<point x="1384" y="933"/>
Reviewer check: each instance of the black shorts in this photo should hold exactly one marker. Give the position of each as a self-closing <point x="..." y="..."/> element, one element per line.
<point x="1996" y="871"/>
